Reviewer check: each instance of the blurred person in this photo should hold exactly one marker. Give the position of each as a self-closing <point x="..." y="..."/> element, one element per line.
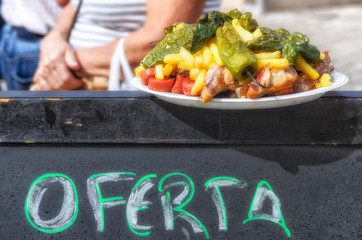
<point x="26" y="22"/>
<point x="98" y="27"/>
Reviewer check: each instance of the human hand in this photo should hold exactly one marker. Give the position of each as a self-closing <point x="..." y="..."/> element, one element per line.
<point x="56" y="63"/>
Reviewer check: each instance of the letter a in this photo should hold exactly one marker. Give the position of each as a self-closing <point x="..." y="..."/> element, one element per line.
<point x="262" y="192"/>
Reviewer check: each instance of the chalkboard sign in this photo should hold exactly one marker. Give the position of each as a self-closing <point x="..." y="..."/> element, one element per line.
<point x="188" y="183"/>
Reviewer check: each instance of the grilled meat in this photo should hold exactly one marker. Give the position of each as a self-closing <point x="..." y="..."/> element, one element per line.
<point x="276" y="82"/>
<point x="218" y="79"/>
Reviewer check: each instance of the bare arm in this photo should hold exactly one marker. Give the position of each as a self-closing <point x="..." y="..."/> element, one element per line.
<point x="64" y="22"/>
<point x="57" y="59"/>
<point x="160" y="14"/>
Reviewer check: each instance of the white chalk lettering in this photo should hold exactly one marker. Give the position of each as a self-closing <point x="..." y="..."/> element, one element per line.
<point x="68" y="212"/>
<point x="264" y="191"/>
<point x="136" y="203"/>
<point x="96" y="200"/>
<point x="180" y="202"/>
<point x="176" y="192"/>
<point x="214" y="185"/>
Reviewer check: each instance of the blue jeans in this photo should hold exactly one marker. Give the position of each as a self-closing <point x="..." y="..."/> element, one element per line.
<point x="18" y="59"/>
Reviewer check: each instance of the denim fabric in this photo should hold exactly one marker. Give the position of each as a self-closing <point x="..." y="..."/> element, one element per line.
<point x="18" y="59"/>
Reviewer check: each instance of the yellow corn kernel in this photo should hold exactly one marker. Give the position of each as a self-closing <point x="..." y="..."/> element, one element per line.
<point x="199" y="63"/>
<point x="244" y="34"/>
<point x="215" y="52"/>
<point x="207" y="56"/>
<point x="179" y="26"/>
<point x="173" y="58"/>
<point x="199" y="82"/>
<point x="276" y="63"/>
<point x="324" y="81"/>
<point x="269" y="55"/>
<point x="187" y="57"/>
<point x="322" y="56"/>
<point x="257" y="33"/>
<point x="193" y="73"/>
<point x="159" y="73"/>
<point x="168" y="69"/>
<point x="303" y="66"/>
<point x="138" y="70"/>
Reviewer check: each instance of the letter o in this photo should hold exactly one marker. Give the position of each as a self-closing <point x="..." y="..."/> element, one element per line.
<point x="69" y="209"/>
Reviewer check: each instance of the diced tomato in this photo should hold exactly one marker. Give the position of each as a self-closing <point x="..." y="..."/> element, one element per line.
<point x="187" y="85"/>
<point x="177" y="87"/>
<point x="147" y="74"/>
<point x="164" y="85"/>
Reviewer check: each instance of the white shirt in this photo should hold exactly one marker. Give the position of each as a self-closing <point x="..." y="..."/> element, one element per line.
<point x="37" y="16"/>
<point x="102" y="21"/>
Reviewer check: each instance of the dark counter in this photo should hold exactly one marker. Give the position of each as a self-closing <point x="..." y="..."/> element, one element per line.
<point x="126" y="165"/>
<point x="133" y="117"/>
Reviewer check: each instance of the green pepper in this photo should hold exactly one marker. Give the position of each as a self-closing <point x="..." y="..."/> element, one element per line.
<point x="290" y="52"/>
<point x="236" y="56"/>
<point x="246" y="19"/>
<point x="206" y="28"/>
<point x="170" y="44"/>
<point x="234" y="14"/>
<point x="291" y="45"/>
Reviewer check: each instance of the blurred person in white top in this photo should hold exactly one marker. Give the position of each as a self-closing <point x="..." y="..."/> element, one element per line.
<point x="99" y="26"/>
<point x="26" y="22"/>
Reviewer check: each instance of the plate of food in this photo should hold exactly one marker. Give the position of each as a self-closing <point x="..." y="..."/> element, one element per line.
<point x="228" y="61"/>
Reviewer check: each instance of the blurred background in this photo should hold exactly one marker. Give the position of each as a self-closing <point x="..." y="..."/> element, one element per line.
<point x="332" y="25"/>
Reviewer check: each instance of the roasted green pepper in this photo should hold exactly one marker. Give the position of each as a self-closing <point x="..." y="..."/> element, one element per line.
<point x="170" y="44"/>
<point x="246" y="19"/>
<point x="236" y="56"/>
<point x="291" y="45"/>
<point x="207" y="25"/>
<point x="206" y="28"/>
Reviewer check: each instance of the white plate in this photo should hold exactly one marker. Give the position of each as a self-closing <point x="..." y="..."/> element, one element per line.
<point x="245" y="103"/>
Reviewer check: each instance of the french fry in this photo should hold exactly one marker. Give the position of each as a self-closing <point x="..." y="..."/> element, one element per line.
<point x="257" y="33"/>
<point x="324" y="81"/>
<point x="138" y="70"/>
<point x="303" y="66"/>
<point x="244" y="34"/>
<point x="207" y="56"/>
<point x="168" y="69"/>
<point x="199" y="82"/>
<point x="269" y="55"/>
<point x="193" y="73"/>
<point x="173" y="58"/>
<point x="215" y="52"/>
<point x="159" y="73"/>
<point x="182" y="65"/>
<point x="188" y="58"/>
<point x="198" y="53"/>
<point x="199" y="63"/>
<point x="277" y="63"/>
